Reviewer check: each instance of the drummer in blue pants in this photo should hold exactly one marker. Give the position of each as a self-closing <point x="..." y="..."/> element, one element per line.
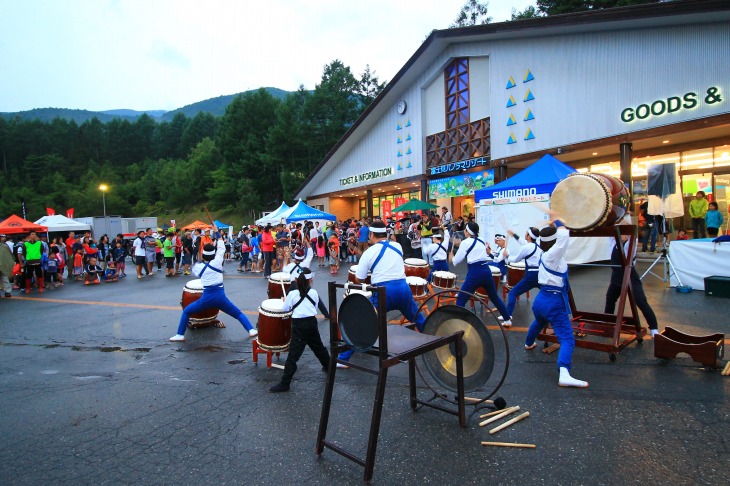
<point x="384" y="260"/>
<point x="551" y="304"/>
<point x="530" y="253"/>
<point x="479" y="273"/>
<point x="439" y="253"/>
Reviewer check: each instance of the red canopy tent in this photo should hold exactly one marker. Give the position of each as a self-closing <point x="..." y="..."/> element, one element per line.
<point x="15" y="225"/>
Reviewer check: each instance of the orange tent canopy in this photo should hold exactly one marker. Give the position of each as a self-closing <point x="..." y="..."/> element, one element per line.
<point x="197" y="225"/>
<point x="15" y="225"/>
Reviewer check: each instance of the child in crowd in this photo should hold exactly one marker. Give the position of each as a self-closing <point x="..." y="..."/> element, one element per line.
<point x="321" y="247"/>
<point x="333" y="257"/>
<point x="79" y="264"/>
<point x="54" y="268"/>
<point x="93" y="272"/>
<point x="682" y="234"/>
<point x="713" y="220"/>
<point x="119" y="256"/>
<point x="352" y="249"/>
<point x="17" y="275"/>
<point x="110" y="275"/>
<point x="255" y="252"/>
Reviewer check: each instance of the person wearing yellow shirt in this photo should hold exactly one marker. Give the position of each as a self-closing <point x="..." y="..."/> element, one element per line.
<point x="697" y="211"/>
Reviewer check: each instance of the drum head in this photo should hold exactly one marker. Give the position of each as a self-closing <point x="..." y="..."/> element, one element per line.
<point x="358" y="322"/>
<point x="416" y="262"/>
<point x="196" y="284"/>
<point x="273" y="305"/>
<point x="478" y="348"/>
<point x="582" y="201"/>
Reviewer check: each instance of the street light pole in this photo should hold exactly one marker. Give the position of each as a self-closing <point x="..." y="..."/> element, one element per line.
<point x="103" y="188"/>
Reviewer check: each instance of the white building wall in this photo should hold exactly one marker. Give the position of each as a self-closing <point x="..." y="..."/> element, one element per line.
<point x="479" y="88"/>
<point x="583" y="82"/>
<point x="434" y="106"/>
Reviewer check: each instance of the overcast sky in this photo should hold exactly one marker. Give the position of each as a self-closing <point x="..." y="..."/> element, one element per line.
<point x="164" y="54"/>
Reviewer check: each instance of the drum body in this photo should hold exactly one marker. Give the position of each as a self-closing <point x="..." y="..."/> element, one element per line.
<point x="351" y="275"/>
<point x="418" y="286"/>
<point x="274" y="326"/>
<point x="586" y="201"/>
<point x="276" y="280"/>
<point x="515" y="273"/>
<point x="481" y="292"/>
<point x="192" y="291"/>
<point x="443" y="279"/>
<point x="415" y="267"/>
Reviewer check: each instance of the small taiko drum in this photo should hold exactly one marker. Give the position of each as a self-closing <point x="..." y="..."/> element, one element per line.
<point x="418" y="286"/>
<point x="192" y="291"/>
<point x="279" y="284"/>
<point x="443" y="279"/>
<point x="274" y="326"/>
<point x="515" y="273"/>
<point x="352" y="278"/>
<point x="415" y="267"/>
<point x="481" y="292"/>
<point x="586" y="201"/>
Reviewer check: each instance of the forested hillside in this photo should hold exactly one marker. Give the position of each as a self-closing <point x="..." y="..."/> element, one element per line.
<point x="252" y="157"/>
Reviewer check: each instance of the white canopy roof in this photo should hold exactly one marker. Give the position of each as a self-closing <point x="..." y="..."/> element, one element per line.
<point x="60" y="222"/>
<point x="273" y="217"/>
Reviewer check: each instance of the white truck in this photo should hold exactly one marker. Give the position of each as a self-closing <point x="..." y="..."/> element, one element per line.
<point x="130" y="226"/>
<point x="110" y="226"/>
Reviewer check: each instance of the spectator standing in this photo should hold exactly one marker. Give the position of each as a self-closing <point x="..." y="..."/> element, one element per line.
<point x="314" y="233"/>
<point x="697" y="211"/>
<point x="196" y="246"/>
<point x="168" y="253"/>
<point x="187" y="251"/>
<point x="414" y="234"/>
<point x="7" y="262"/>
<point x="119" y="257"/>
<point x="32" y="255"/>
<point x="245" y="239"/>
<point x="177" y="244"/>
<point x="363" y="236"/>
<point x="650" y="228"/>
<point x="267" y="249"/>
<point x="713" y="220"/>
<point x="255" y="255"/>
<point x="282" y="246"/>
<point x="140" y="253"/>
<point x="446" y="218"/>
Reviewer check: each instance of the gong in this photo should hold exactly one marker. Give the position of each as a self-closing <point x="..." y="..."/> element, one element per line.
<point x="477" y="346"/>
<point x="358" y="322"/>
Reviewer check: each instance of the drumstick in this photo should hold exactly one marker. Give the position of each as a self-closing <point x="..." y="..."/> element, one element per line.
<point x="726" y="369"/>
<point x="504" y="413"/>
<point x="509" y="444"/>
<point x="496" y="412"/>
<point x="509" y="422"/>
<point x="209" y="217"/>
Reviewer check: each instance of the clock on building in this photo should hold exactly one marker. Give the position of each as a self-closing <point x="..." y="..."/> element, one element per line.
<point x="402" y="106"/>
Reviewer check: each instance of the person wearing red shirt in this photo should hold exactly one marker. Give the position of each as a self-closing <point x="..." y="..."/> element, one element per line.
<point x="267" y="249"/>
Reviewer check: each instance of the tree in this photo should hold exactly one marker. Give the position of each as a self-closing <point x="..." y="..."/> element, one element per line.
<point x="369" y="87"/>
<point x="473" y="12"/>
<point x="529" y="13"/>
<point x="556" y="7"/>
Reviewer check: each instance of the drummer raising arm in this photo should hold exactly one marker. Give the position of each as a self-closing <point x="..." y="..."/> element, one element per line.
<point x="530" y="253"/>
<point x="210" y="272"/>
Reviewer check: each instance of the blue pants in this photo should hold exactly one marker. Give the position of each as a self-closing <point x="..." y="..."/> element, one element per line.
<point x="438" y="266"/>
<point x="549" y="308"/>
<point x="212" y="298"/>
<point x="528" y="282"/>
<point x="398" y="296"/>
<point x="649" y="232"/>
<point x="480" y="275"/>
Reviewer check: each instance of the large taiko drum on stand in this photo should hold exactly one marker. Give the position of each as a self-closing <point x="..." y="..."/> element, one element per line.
<point x="418" y="285"/>
<point x="443" y="279"/>
<point x="415" y="267"/>
<point x="279" y="284"/>
<point x="192" y="291"/>
<point x="586" y="201"/>
<point x="274" y="326"/>
<point x="352" y="278"/>
<point x="481" y="292"/>
<point x="515" y="273"/>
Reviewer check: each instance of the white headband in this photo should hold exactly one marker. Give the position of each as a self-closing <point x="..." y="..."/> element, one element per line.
<point x="208" y="252"/>
<point x="534" y="236"/>
<point x="309" y="275"/>
<point x="549" y="238"/>
<point x="379" y="230"/>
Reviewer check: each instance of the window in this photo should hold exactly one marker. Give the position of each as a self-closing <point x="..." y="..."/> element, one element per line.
<point x="456" y="83"/>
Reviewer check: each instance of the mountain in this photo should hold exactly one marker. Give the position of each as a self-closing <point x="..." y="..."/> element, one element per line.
<point x="215" y="106"/>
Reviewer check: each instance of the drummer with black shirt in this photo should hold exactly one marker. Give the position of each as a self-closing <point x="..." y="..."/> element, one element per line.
<point x="303" y="304"/>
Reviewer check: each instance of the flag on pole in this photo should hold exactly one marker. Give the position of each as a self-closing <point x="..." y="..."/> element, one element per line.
<point x="70" y="213"/>
<point x="51" y="211"/>
<point x="23" y="205"/>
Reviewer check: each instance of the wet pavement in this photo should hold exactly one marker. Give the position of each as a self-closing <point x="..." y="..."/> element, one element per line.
<point x="92" y="393"/>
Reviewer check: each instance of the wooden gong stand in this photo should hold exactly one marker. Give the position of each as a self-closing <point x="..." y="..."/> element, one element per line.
<point x="622" y="329"/>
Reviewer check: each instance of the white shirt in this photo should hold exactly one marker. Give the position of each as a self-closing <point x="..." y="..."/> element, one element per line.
<point x="478" y="253"/>
<point x="527" y="248"/>
<point x="447" y="218"/>
<point x="306" y="308"/>
<point x="437" y="252"/>
<point x="499" y="255"/>
<point x="390" y="267"/>
<point x="138" y="245"/>
<point x="314" y="233"/>
<point x="293" y="270"/>
<point x="554" y="259"/>
<point x="307" y="257"/>
<point x="210" y="277"/>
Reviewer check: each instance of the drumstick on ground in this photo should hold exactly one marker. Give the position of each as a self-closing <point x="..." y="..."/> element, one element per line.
<point x="509" y="422"/>
<point x="509" y="444"/>
<point x="490" y="414"/>
<point x="505" y="412"/>
<point x="726" y="369"/>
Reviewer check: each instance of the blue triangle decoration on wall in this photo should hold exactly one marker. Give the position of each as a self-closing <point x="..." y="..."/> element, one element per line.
<point x="528" y="96"/>
<point x="399" y="140"/>
<point x="408" y="152"/>
<point x="400" y="154"/>
<point x="398" y="127"/>
<point x="511" y="139"/>
<point x="409" y="165"/>
<point x="529" y="115"/>
<point x="511" y="102"/>
<point x="511" y="121"/>
<point x="510" y="83"/>
<point x="529" y="135"/>
<point x="408" y="124"/>
<point x="408" y="138"/>
<point x="399" y="167"/>
<point x="528" y="77"/>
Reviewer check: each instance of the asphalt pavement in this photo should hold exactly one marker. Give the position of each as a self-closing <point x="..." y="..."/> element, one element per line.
<point x="93" y="393"/>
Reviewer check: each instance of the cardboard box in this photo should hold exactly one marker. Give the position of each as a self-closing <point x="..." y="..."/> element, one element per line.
<point x="717" y="286"/>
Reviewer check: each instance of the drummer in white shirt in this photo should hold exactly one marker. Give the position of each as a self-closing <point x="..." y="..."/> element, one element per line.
<point x="302" y="258"/>
<point x="384" y="260"/>
<point x="438" y="252"/>
<point x="530" y="253"/>
<point x="303" y="304"/>
<point x="479" y="273"/>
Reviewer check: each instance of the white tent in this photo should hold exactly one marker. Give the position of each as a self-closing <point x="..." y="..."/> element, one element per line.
<point x="273" y="217"/>
<point x="60" y="223"/>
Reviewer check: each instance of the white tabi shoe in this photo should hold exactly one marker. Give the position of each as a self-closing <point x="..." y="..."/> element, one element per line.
<point x="507" y="323"/>
<point x="654" y="332"/>
<point x="253" y="333"/>
<point x="567" y="380"/>
<point x="177" y="338"/>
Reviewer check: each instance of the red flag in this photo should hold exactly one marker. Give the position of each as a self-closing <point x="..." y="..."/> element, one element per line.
<point x="70" y="213"/>
<point x="51" y="211"/>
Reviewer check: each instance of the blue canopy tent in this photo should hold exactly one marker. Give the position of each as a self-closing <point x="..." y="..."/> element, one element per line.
<point x="301" y="212"/>
<point x="220" y="224"/>
<point x="542" y="175"/>
<point x="274" y="216"/>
